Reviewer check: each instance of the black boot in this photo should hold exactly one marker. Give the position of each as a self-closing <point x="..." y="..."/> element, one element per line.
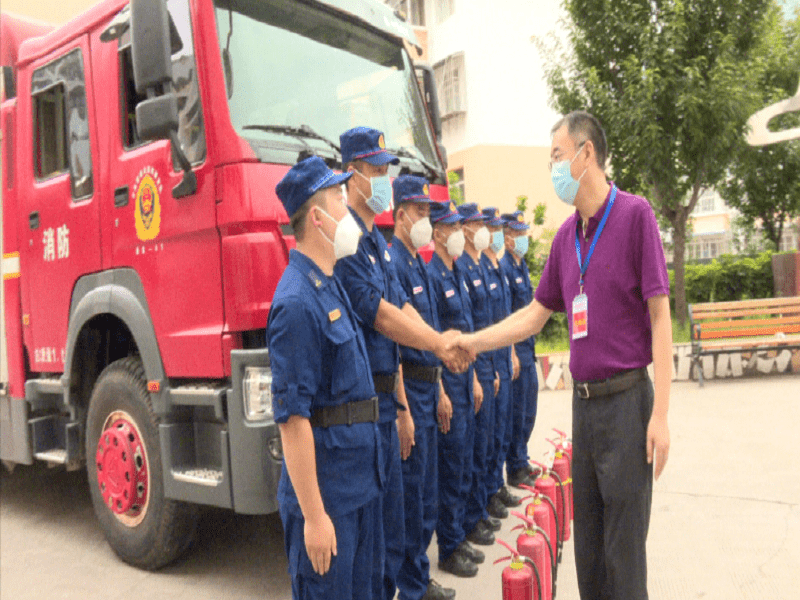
<point x="471" y="552"/>
<point x="492" y="523"/>
<point x="521" y="477"/>
<point x="496" y="508"/>
<point x="436" y="592"/>
<point x="459" y="565"/>
<point x="507" y="498"/>
<point x="481" y="535"/>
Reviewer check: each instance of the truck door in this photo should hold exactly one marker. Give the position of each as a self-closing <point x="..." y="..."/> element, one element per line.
<point x="59" y="219"/>
<point x="172" y="243"/>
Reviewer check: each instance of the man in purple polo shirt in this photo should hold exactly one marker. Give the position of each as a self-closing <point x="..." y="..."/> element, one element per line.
<point x="607" y="271"/>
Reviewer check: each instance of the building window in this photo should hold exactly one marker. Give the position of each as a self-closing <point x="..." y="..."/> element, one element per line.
<point x="61" y="123"/>
<point x="414" y="10"/>
<point x="451" y="83"/>
<point x="706" y="203"/>
<point x="788" y="241"/>
<point x="444" y="8"/>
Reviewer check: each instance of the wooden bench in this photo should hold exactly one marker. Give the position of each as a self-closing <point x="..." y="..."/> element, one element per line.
<point x="747" y="325"/>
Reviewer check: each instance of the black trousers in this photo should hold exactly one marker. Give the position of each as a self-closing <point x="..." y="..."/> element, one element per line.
<point x="613" y="490"/>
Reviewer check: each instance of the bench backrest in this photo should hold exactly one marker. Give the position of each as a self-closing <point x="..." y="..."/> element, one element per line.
<point x="746" y="318"/>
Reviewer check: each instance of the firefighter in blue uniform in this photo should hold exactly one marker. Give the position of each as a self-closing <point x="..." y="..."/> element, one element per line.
<point x="422" y="379"/>
<point x="456" y="430"/>
<point x="323" y="399"/>
<point x="525" y="388"/>
<point x="506" y="363"/>
<point x="388" y="319"/>
<point x="482" y="514"/>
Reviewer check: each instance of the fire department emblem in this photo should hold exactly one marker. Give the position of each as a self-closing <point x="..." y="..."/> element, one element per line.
<point x="425" y="189"/>
<point x="147" y="204"/>
<point x="381" y="143"/>
<point x="452" y="207"/>
<point x="520" y="218"/>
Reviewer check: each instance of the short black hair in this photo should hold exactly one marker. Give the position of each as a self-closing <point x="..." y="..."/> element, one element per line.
<point x="298" y="220"/>
<point x="583" y="126"/>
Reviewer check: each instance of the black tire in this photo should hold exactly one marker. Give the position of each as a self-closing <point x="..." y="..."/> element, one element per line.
<point x="160" y="530"/>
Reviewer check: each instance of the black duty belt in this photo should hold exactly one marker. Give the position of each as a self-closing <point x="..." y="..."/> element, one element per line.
<point x="359" y="411"/>
<point x="385" y="384"/>
<point x="421" y="373"/>
<point x="613" y="385"/>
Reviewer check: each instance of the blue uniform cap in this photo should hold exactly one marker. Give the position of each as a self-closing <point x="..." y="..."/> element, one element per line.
<point x="470" y="212"/>
<point x="364" y="143"/>
<point x="516" y="221"/>
<point x="444" y="212"/>
<point x="492" y="216"/>
<point x="410" y="188"/>
<point x="304" y="180"/>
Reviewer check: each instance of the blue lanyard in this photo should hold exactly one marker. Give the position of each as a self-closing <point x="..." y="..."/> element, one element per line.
<point x="585" y="265"/>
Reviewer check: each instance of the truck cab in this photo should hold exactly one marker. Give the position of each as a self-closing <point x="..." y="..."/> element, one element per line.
<point x="143" y="240"/>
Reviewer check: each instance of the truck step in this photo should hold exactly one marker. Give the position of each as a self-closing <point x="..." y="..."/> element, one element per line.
<point x="54" y="456"/>
<point x="209" y="477"/>
<point x="47" y="386"/>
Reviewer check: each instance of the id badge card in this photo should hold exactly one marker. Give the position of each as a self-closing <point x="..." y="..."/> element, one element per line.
<point x="580" y="317"/>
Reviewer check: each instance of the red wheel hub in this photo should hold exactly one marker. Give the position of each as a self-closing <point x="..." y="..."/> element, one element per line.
<point x="122" y="468"/>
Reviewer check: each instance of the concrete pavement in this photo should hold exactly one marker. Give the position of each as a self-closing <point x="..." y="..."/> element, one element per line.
<point x="725" y="524"/>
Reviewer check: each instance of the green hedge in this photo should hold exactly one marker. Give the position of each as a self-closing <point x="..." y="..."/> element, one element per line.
<point x="726" y="279"/>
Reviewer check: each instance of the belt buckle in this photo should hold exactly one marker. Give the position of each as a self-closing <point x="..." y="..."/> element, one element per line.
<point x="395" y="380"/>
<point x="438" y="375"/>
<point x="583" y="388"/>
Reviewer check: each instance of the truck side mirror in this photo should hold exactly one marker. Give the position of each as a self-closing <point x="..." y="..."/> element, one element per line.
<point x="151" y="52"/>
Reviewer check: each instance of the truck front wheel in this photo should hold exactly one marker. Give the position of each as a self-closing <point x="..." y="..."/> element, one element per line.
<point x="126" y="479"/>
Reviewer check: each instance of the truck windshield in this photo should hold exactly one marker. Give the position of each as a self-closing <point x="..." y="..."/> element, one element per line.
<point x="291" y="67"/>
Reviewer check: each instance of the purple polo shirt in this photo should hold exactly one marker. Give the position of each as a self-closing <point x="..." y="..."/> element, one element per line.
<point x="627" y="268"/>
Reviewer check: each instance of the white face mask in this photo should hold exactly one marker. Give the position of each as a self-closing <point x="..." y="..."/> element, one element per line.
<point x="455" y="244"/>
<point x="482" y="239"/>
<point x="420" y="232"/>
<point x="345" y="240"/>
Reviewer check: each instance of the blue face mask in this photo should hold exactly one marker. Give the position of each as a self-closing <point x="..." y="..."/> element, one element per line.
<point x="498" y="241"/>
<point x="565" y="185"/>
<point x="381" y="198"/>
<point x="521" y="245"/>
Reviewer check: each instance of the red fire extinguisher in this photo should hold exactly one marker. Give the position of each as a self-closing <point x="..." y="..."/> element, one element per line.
<point x="566" y="446"/>
<point x="563" y="469"/>
<point x="546" y="486"/>
<point x="534" y="543"/>
<point x="542" y="511"/>
<point x="553" y="482"/>
<point x="518" y="577"/>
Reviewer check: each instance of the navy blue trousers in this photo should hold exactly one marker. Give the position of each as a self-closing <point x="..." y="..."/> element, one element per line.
<point x="524" y="401"/>
<point x="351" y="571"/>
<point x="502" y="435"/>
<point x="613" y="491"/>
<point x="421" y="486"/>
<point x="481" y="456"/>
<point x="455" y="464"/>
<point x="392" y="534"/>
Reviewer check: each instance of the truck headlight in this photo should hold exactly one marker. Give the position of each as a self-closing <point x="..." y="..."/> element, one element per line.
<point x="257" y="388"/>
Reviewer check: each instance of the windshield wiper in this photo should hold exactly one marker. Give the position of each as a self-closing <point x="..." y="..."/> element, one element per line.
<point x="303" y="131"/>
<point x="406" y="152"/>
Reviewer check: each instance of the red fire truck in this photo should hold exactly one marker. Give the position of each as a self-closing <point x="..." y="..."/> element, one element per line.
<point x="142" y="239"/>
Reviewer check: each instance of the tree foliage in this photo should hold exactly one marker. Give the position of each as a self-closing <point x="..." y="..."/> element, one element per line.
<point x="764" y="182"/>
<point x="670" y="80"/>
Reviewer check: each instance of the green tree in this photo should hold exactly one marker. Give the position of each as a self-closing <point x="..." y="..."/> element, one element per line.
<point x="670" y="80"/>
<point x="763" y="183"/>
<point x="456" y="193"/>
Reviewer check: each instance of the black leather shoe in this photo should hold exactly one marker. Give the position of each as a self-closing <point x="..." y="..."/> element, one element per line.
<point x="521" y="477"/>
<point x="492" y="523"/>
<point x="459" y="565"/>
<point x="534" y="472"/>
<point x="507" y="498"/>
<point x="471" y="552"/>
<point x="436" y="592"/>
<point x="481" y="535"/>
<point x="496" y="508"/>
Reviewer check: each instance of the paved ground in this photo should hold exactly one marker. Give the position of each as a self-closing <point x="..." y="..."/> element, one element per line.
<point x="726" y="518"/>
